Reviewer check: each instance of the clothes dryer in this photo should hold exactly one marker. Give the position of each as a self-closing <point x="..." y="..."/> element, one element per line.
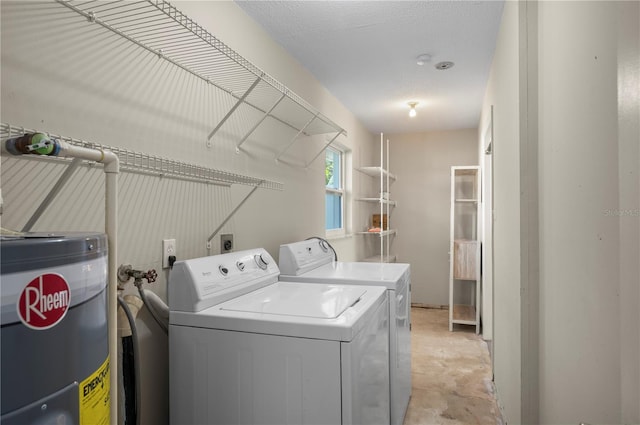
<point x="313" y="261"/>
<point x="247" y="348"/>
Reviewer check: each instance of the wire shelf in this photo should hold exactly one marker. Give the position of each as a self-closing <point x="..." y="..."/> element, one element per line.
<point x="160" y="28"/>
<point x="139" y="162"/>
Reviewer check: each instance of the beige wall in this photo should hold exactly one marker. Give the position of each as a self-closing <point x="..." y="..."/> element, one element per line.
<point x="629" y="205"/>
<point x="422" y="163"/>
<point x="588" y="173"/>
<point x="564" y="86"/>
<point x="502" y="92"/>
<point x="485" y="158"/>
<point x="74" y="78"/>
<point x="579" y="244"/>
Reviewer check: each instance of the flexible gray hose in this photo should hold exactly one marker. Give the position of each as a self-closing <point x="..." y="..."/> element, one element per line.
<point x="152" y="310"/>
<point x="136" y="354"/>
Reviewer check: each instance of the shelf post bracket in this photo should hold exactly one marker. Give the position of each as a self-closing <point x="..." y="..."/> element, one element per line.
<point x="264" y="116"/>
<point x="233" y="109"/>
<point x="64" y="178"/>
<point x="293" y="140"/>
<point x="231" y="214"/>
<point x="325" y="147"/>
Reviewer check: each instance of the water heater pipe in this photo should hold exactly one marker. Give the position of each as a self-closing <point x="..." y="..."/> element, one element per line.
<point x="46" y="146"/>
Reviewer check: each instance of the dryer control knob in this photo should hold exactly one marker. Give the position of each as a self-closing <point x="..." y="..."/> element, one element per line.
<point x="261" y="262"/>
<point x="223" y="270"/>
<point x="240" y="265"/>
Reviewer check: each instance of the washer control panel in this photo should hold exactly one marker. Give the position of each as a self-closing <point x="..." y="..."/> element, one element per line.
<point x="203" y="282"/>
<point x="300" y="257"/>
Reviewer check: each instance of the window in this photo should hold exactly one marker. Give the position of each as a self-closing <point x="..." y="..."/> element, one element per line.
<point x="334" y="182"/>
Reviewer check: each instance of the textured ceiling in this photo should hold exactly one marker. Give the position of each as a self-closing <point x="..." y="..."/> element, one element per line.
<point x="364" y="53"/>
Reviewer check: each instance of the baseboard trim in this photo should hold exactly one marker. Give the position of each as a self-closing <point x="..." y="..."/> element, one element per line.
<point x="434" y="306"/>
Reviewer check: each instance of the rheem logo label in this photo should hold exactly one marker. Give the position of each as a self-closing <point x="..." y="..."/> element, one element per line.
<point x="44" y="302"/>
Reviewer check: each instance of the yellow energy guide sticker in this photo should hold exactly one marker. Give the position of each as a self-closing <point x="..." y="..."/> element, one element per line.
<point x="94" y="397"/>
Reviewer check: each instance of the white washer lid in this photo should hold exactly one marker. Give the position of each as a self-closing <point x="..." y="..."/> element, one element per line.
<point x="317" y="301"/>
<point x="331" y="312"/>
<point x="388" y="275"/>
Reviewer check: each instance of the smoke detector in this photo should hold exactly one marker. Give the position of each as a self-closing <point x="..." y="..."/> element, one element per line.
<point x="444" y="65"/>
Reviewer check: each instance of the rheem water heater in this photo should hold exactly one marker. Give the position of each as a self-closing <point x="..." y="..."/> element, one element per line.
<point x="55" y="356"/>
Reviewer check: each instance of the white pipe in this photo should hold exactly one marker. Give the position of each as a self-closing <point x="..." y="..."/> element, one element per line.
<point x="111" y="228"/>
<point x="111" y="169"/>
<point x="381" y="203"/>
<point x="388" y="206"/>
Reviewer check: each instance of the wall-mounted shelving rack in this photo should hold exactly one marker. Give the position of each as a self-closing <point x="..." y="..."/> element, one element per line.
<point x="385" y="179"/>
<point x="378" y="172"/>
<point x="162" y="29"/>
<point x="143" y="163"/>
<point x="137" y="162"/>
<point x="378" y="201"/>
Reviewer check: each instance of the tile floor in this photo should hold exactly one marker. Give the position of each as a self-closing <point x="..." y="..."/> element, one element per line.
<point x="451" y="373"/>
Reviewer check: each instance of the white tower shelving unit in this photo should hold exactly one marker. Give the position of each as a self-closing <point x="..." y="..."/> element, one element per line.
<point x="384" y="202"/>
<point x="464" y="249"/>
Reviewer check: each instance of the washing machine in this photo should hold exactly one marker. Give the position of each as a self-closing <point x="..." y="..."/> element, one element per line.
<point x="246" y="348"/>
<point x="313" y="261"/>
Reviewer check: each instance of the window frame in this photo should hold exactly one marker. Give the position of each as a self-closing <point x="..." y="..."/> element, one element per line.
<point x="340" y="191"/>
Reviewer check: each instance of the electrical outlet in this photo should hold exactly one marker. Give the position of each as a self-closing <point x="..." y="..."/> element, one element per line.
<point x="226" y="243"/>
<point x="168" y="249"/>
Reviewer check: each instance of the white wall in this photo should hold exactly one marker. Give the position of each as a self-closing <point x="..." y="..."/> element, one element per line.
<point x="485" y="136"/>
<point x="566" y="164"/>
<point x="579" y="243"/>
<point x="629" y="206"/>
<point x="502" y="92"/>
<point x="422" y="163"/>
<point x="74" y="78"/>
<point x="585" y="180"/>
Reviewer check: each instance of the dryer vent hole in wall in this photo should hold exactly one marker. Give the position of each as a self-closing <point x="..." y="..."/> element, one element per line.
<point x="226" y="243"/>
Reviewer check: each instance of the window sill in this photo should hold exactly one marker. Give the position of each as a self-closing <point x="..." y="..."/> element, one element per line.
<point x="336" y="236"/>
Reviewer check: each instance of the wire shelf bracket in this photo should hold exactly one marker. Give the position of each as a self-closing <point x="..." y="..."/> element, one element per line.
<point x="266" y="114"/>
<point x="323" y="149"/>
<point x="231" y="214"/>
<point x="231" y="111"/>
<point x="160" y="28"/>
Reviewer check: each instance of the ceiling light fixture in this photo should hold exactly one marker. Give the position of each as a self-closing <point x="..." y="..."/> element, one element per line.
<point x="423" y="58"/>
<point x="412" y="111"/>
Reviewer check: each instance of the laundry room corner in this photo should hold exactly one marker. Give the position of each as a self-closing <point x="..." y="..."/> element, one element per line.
<point x="234" y="212"/>
<point x="126" y="98"/>
<point x="423" y="162"/>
